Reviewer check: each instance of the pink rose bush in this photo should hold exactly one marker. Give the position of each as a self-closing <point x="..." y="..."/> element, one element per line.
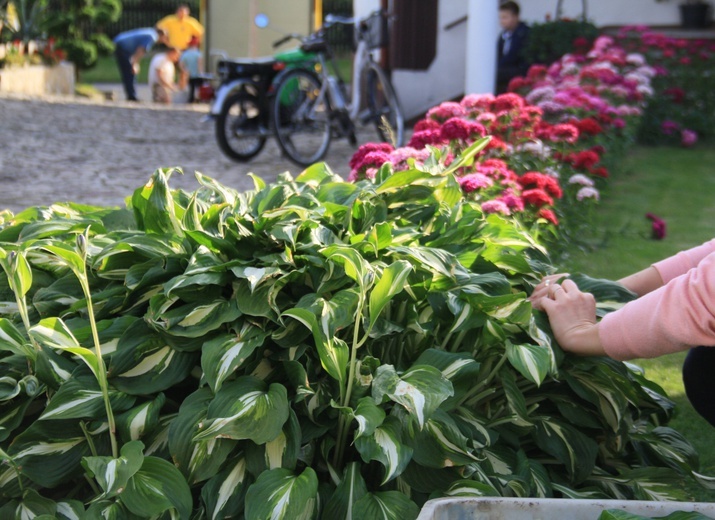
<point x="552" y="138"/>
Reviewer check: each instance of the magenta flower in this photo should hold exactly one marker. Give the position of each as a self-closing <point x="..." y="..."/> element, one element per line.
<point x="688" y="138"/>
<point x="669" y="127"/>
<point x="474" y="181"/>
<point x="658" y="227"/>
<point x="495" y="206"/>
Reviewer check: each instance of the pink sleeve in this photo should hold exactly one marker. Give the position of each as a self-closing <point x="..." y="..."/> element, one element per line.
<point x="678" y="316"/>
<point x="682" y="262"/>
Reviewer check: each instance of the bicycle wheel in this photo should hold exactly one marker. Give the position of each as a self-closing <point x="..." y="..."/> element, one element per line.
<point x="301" y="117"/>
<point x="383" y="108"/>
<point x="238" y="127"/>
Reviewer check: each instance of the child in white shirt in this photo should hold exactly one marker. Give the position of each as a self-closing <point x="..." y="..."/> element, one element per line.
<point x="162" y="72"/>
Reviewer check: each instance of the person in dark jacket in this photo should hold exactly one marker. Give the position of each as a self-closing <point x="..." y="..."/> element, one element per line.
<point x="510" y="47"/>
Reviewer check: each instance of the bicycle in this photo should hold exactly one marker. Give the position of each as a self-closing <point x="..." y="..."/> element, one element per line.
<point x="312" y="106"/>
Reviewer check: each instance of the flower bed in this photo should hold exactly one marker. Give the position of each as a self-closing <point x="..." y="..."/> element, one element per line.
<point x="553" y="138"/>
<point x="684" y="108"/>
<point x="38" y="80"/>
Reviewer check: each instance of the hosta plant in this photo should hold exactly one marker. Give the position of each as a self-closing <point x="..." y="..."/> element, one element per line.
<point x="309" y="349"/>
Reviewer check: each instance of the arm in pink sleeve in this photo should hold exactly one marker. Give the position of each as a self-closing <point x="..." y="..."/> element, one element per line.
<point x="682" y="262"/>
<point x="678" y="316"/>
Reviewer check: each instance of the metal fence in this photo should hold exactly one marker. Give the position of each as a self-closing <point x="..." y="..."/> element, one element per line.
<point x="145" y="13"/>
<point x="340" y="37"/>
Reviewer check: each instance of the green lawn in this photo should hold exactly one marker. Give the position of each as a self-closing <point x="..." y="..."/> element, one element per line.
<point x="678" y="185"/>
<point x="106" y="71"/>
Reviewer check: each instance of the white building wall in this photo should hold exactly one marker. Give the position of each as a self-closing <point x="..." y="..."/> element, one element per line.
<point x="605" y="12"/>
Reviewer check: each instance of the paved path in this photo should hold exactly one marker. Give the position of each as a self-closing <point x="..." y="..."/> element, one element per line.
<point x="60" y="149"/>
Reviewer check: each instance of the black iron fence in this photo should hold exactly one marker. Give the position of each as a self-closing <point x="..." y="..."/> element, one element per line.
<point x="340" y="37"/>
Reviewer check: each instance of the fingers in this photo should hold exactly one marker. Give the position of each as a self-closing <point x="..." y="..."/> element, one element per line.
<point x="541" y="290"/>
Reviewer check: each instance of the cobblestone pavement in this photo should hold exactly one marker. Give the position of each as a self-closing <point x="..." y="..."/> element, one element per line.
<point x="60" y="149"/>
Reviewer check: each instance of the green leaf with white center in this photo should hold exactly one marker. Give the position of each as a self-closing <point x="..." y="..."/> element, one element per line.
<point x="190" y="320"/>
<point x="134" y="424"/>
<point x="368" y="416"/>
<point x="34" y="505"/>
<point x="224" y="494"/>
<point x="255" y="275"/>
<point x="385" y="446"/>
<point x="81" y="398"/>
<point x="334" y="354"/>
<point x="390" y="283"/>
<point x="156" y="488"/>
<point x="532" y="361"/>
<point x="351" y="489"/>
<point x="67" y="254"/>
<point x="281" y="452"/>
<point x="246" y="408"/>
<point x="198" y="460"/>
<point x="12" y="340"/>
<point x="70" y="510"/>
<point x="440" y="444"/>
<point x="50" y="452"/>
<point x="459" y="368"/>
<point x="515" y="398"/>
<point x="143" y="363"/>
<point x="420" y="390"/>
<point x="385" y="505"/>
<point x="471" y="488"/>
<point x="221" y="356"/>
<point x="54" y="333"/>
<point x="535" y="474"/>
<point x="356" y="267"/>
<point x="113" y="474"/>
<point x="279" y="493"/>
<point x="576" y="451"/>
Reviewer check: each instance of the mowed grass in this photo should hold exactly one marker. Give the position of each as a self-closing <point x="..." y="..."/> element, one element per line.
<point x="678" y="185"/>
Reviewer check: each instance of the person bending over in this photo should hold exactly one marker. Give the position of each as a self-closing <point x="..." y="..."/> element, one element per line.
<point x="675" y="311"/>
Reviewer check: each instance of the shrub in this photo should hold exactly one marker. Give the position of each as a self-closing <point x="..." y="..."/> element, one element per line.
<point x="80" y="52"/>
<point x="310" y="348"/>
<point x="549" y="41"/>
<point x="105" y="46"/>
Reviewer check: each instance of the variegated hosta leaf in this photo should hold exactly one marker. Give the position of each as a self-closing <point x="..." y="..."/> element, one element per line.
<point x="81" y="398"/>
<point x="52" y="368"/>
<point x="390" y="283"/>
<point x="49" y="452"/>
<point x="140" y="420"/>
<point x="224" y="494"/>
<point x="421" y="389"/>
<point x="53" y="333"/>
<point x="281" y="452"/>
<point x="515" y="398"/>
<point x="34" y="505"/>
<point x="535" y="475"/>
<point x="356" y="267"/>
<point x="224" y="354"/>
<point x="246" y="408"/>
<point x="459" y="368"/>
<point x="156" y="488"/>
<point x="113" y="474"/>
<point x="12" y="340"/>
<point x="143" y="363"/>
<point x="576" y="451"/>
<point x="351" y="489"/>
<point x="334" y="353"/>
<point x="440" y="444"/>
<point x="192" y="320"/>
<point x="471" y="488"/>
<point x="279" y="493"/>
<point x="197" y="460"/>
<point x="368" y="415"/>
<point x="385" y="446"/>
<point x="70" y="510"/>
<point x="385" y="505"/>
<point x="532" y="361"/>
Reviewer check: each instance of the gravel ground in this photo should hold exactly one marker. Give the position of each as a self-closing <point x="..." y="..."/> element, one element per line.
<point x="64" y="149"/>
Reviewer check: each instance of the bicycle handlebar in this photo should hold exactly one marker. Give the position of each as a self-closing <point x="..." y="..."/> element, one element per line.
<point x="280" y="42"/>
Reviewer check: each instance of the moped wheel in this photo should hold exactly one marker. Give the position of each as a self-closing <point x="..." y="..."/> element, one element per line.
<point x="240" y="132"/>
<point x="301" y="117"/>
<point x="383" y="107"/>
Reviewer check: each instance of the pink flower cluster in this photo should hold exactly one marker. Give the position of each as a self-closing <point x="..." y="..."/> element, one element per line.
<point x="556" y="124"/>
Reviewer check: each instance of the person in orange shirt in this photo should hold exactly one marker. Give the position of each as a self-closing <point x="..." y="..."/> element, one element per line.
<point x="181" y="27"/>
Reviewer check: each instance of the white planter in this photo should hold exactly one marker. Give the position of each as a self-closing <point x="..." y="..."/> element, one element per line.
<point x="551" y="508"/>
<point x="38" y="80"/>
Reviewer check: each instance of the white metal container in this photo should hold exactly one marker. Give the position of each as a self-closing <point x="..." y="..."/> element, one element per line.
<point x="488" y="508"/>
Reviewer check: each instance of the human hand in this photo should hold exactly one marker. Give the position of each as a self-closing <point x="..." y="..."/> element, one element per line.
<point x="541" y="290"/>
<point x="135" y="68"/>
<point x="572" y="315"/>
